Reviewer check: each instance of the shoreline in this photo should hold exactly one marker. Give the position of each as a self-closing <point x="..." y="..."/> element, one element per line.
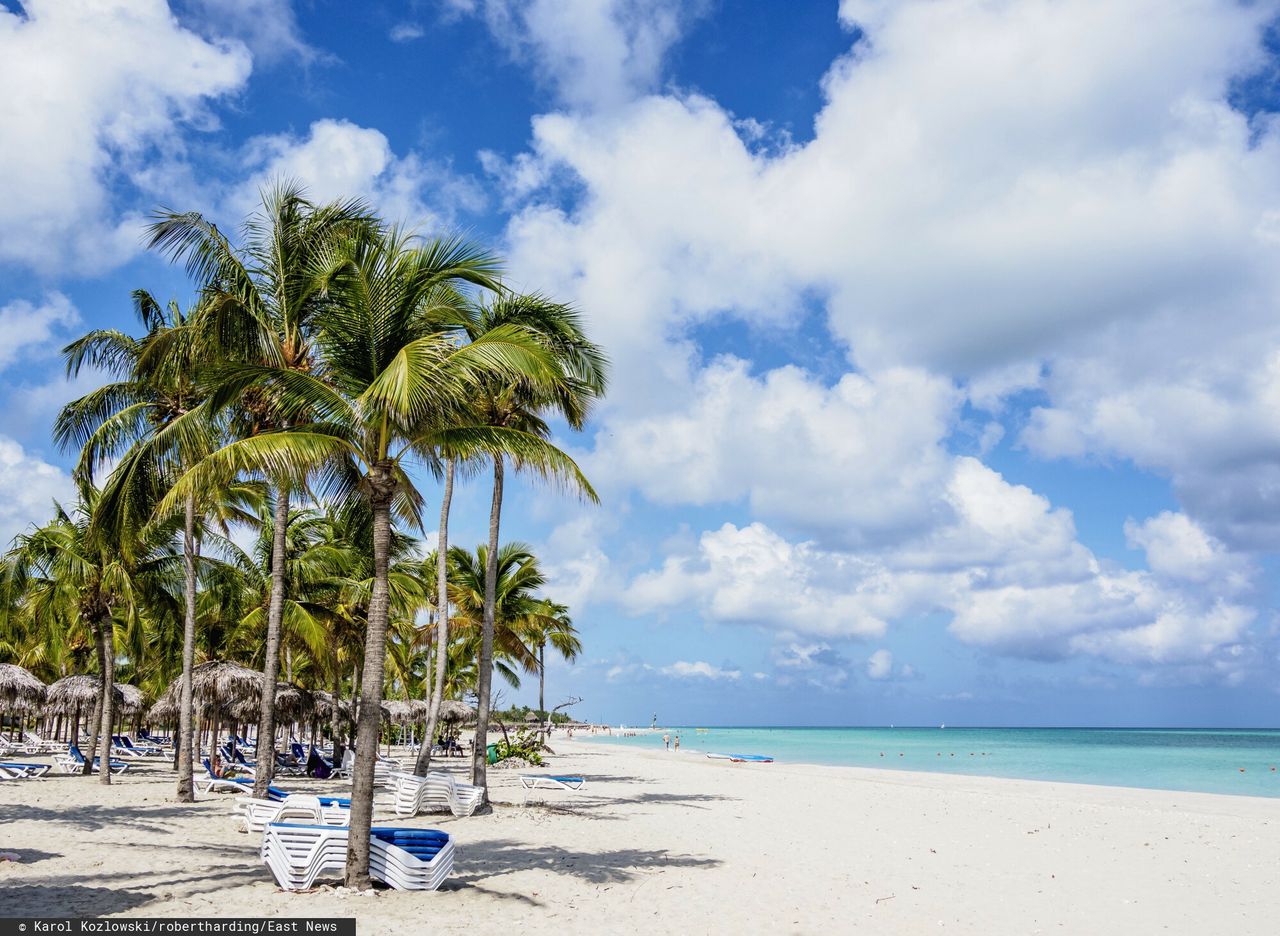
<point x="1266" y="768"/>
<point x="661" y="843"/>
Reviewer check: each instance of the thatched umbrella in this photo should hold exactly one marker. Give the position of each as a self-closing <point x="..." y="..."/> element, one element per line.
<point x="133" y="699"/>
<point x="216" y="687"/>
<point x="532" y="717"/>
<point x="397" y="711"/>
<point x="452" y="710"/>
<point x="293" y="703"/>
<point x="20" y="691"/>
<point x="74" y="695"/>
<point x="165" y="711"/>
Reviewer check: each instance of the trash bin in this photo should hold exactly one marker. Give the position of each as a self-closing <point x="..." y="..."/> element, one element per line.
<point x="492" y="752"/>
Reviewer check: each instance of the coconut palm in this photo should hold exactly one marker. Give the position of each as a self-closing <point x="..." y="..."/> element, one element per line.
<point x="260" y="303"/>
<point x="71" y="567"/>
<point x="135" y="418"/>
<point x="550" y="624"/>
<point x="523" y="405"/>
<point x="392" y="388"/>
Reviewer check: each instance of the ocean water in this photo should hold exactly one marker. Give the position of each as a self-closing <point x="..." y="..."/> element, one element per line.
<point x="1208" y="761"/>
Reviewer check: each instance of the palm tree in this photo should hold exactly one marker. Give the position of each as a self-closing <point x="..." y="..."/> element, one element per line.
<point x="551" y="624"/>
<point x="135" y="416"/>
<point x="260" y="305"/>
<point x="391" y="388"/>
<point x="73" y="562"/>
<point x="521" y="405"/>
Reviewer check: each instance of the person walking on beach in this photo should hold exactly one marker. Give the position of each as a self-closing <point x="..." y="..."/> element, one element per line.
<point x="677" y="742"/>
<point x="666" y="741"/>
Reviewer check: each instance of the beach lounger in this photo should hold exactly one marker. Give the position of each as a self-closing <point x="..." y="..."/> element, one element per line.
<point x="37" y="745"/>
<point x="532" y="782"/>
<point x="405" y="859"/>
<point x="257" y="814"/>
<point x="73" y="762"/>
<point x="12" y="770"/>
<point x="222" y="784"/>
<point x="141" y="749"/>
<point x="436" y="792"/>
<point x="348" y="763"/>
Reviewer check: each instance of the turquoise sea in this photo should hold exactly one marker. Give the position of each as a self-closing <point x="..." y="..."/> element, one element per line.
<point x="1208" y="761"/>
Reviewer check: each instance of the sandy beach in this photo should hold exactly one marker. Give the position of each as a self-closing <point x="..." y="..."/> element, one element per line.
<point x="665" y="843"/>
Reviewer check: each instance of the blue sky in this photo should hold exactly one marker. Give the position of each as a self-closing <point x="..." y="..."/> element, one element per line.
<point x="947" y="369"/>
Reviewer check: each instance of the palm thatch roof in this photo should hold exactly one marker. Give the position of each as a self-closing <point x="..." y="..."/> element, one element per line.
<point x="221" y="682"/>
<point x="325" y="703"/>
<point x="293" y="703"/>
<point x="73" y="694"/>
<point x="20" y="691"/>
<point x="452" y="710"/>
<point x="134" y="700"/>
<point x="398" y="712"/>
<point x="164" y="711"/>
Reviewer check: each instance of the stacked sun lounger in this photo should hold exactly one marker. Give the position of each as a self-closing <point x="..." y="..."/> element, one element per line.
<point x="257" y="814"/>
<point x="436" y="792"/>
<point x="406" y="859"/>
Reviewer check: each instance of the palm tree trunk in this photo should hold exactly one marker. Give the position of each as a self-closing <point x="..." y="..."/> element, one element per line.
<point x="108" y="691"/>
<point x="442" y="624"/>
<point x="335" y="719"/>
<point x="479" y="756"/>
<point x="186" y="788"/>
<point x="271" y="664"/>
<point x="542" y="685"/>
<point x="355" y="703"/>
<point x="375" y="650"/>
<point x="95" y="724"/>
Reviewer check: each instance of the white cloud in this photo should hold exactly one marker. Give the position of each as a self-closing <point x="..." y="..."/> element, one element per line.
<point x="880" y="664"/>
<point x="776" y="439"/>
<point x="593" y="53"/>
<point x="700" y="670"/>
<point x="268" y="27"/>
<point x="339" y="159"/>
<point x="406" y="32"/>
<point x="28" y="488"/>
<point x="107" y="85"/>
<point x="1179" y="548"/>
<point x="28" y="328"/>
<point x="1005" y="567"/>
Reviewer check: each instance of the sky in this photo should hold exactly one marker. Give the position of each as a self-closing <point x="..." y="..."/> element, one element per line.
<point x="946" y="362"/>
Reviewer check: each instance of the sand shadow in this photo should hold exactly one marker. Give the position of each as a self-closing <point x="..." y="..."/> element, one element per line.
<point x="70" y="900"/>
<point x="483" y="861"/>
<point x="29" y="856"/>
<point x="90" y="817"/>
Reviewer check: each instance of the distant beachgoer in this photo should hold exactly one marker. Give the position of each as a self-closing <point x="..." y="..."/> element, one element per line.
<point x="677" y="742"/>
<point x="666" y="741"/>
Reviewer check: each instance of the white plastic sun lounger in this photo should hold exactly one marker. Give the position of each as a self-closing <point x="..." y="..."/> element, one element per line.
<point x="257" y="814"/>
<point x="406" y="859"/>
<point x="37" y="745"/>
<point x="12" y="770"/>
<point x="532" y="782"/>
<point x="436" y="792"/>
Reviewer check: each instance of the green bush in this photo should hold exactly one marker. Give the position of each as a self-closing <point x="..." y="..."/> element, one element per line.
<point x="525" y="745"/>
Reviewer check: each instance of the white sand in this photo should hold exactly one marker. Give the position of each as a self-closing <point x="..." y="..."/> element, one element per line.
<point x="664" y="843"/>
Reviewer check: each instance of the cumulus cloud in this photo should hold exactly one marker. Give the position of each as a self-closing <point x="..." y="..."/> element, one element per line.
<point x="28" y="487"/>
<point x="1057" y="197"/>
<point x="1006" y="569"/>
<point x="592" y="53"/>
<point x="111" y="83"/>
<point x="268" y="27"/>
<point x="880" y="665"/>
<point x="700" y="670"/>
<point x="340" y="159"/>
<point x="28" y="328"/>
